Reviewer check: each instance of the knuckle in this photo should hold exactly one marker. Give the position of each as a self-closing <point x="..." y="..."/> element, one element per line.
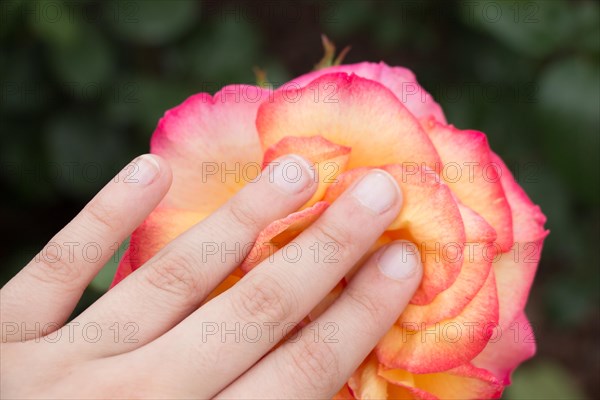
<point x="52" y="266"/>
<point x="365" y="307"/>
<point x="242" y="214"/>
<point x="314" y="365"/>
<point x="102" y="216"/>
<point x="179" y="275"/>
<point x="263" y="298"/>
<point x="329" y="233"/>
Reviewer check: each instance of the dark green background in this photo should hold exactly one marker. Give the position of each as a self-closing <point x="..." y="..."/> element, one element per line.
<point x="84" y="83"/>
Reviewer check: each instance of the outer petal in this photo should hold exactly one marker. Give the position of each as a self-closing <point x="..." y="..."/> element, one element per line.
<point x="446" y="345"/>
<point x="472" y="175"/>
<point x="516" y="269"/>
<point x="212" y="146"/>
<point x="329" y="159"/>
<point x="429" y="217"/>
<point x="162" y="226"/>
<point x="477" y="261"/>
<point x="461" y="383"/>
<point x="350" y="111"/>
<point x="509" y="349"/>
<point x="401" y="81"/>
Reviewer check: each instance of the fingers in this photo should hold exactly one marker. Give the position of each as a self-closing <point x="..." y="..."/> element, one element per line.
<point x="319" y="359"/>
<point x="41" y="297"/>
<point x="205" y="351"/>
<point x="176" y="280"/>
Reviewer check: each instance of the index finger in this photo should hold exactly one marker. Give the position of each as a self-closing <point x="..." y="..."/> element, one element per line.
<point x="44" y="293"/>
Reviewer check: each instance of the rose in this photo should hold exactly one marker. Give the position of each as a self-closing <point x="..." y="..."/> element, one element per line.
<point x="479" y="235"/>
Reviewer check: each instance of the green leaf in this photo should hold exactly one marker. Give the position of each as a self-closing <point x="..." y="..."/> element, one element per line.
<point x="224" y="53"/>
<point x="543" y="380"/>
<point x="342" y="18"/>
<point x="153" y="22"/>
<point x="53" y="21"/>
<point x="587" y="35"/>
<point x="24" y="91"/>
<point x="86" y="153"/>
<point x="534" y="28"/>
<point x="144" y="100"/>
<point x="9" y="13"/>
<point x="570" y="122"/>
<point x="82" y="64"/>
<point x="104" y="278"/>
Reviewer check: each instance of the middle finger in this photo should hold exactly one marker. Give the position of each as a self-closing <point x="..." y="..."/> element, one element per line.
<point x="221" y="340"/>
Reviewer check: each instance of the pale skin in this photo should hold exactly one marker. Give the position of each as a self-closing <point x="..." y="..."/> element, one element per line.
<point x="228" y="347"/>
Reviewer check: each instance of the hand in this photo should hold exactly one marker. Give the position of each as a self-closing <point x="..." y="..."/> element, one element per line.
<point x="149" y="336"/>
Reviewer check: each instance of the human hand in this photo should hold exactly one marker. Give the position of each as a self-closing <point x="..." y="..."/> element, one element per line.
<point x="150" y="337"/>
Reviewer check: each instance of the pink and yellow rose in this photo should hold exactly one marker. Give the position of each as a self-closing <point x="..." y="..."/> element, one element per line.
<point x="479" y="234"/>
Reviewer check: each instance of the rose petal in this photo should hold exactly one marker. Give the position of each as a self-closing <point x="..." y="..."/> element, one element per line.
<point x="429" y="218"/>
<point x="472" y="175"/>
<point x="513" y="346"/>
<point x="328" y="300"/>
<point x="225" y="285"/>
<point x="350" y="111"/>
<point x="516" y="269"/>
<point x="477" y="261"/>
<point x="447" y="344"/>
<point x="514" y="272"/>
<point x="159" y="228"/>
<point x="328" y="159"/>
<point x="279" y="233"/>
<point x="344" y="394"/>
<point x="365" y="383"/>
<point x="212" y="146"/>
<point x="401" y="81"/>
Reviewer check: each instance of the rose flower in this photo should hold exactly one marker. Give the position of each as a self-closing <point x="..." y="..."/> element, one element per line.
<point x="479" y="235"/>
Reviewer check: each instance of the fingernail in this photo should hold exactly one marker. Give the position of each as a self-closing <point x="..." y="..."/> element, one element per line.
<point x="400" y="260"/>
<point x="377" y="191"/>
<point x="292" y="174"/>
<point x="143" y="170"/>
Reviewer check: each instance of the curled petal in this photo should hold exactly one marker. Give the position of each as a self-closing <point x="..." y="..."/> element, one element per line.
<point x="344" y="394"/>
<point x="314" y="148"/>
<point x="279" y="233"/>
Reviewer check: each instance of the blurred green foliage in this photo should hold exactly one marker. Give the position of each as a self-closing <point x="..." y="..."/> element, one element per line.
<point x="84" y="83"/>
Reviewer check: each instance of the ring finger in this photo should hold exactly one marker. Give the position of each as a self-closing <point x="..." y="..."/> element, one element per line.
<point x="317" y="366"/>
